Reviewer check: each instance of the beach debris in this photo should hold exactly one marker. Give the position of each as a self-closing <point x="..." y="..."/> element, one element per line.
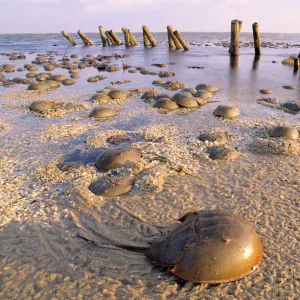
<point x="173" y="85"/>
<point x="166" y="74"/>
<point x="289" y="61"/>
<point x="293" y="106"/>
<point x="265" y="91"/>
<point x="226" y="111"/>
<point x="159" y="65"/>
<point x="103" y="112"/>
<point x="118" y="139"/>
<point x="112" y="186"/>
<point x="112" y="68"/>
<point x="111" y="159"/>
<point x="284" y="132"/>
<point x="289" y="87"/>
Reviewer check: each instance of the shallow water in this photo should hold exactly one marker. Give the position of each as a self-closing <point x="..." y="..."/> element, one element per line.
<point x="43" y="215"/>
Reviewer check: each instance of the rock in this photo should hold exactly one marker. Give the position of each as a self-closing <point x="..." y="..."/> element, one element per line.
<point x="165" y="103"/>
<point x="223" y="153"/>
<point x="103" y="112"/>
<point x="284" y="132"/>
<point x="111" y="159"/>
<point x="118" y="94"/>
<point x="227" y="112"/>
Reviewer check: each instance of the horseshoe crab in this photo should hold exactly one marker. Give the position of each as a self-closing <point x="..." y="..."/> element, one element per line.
<point x="103" y="112"/>
<point x="117" y="94"/>
<point x="284" y="132"/>
<point x="293" y="106"/>
<point x="41" y="105"/>
<point x="185" y="100"/>
<point x="165" y="103"/>
<point x="227" y="112"/>
<point x="210" y="246"/>
<point x="207" y="87"/>
<point x="111" y="159"/>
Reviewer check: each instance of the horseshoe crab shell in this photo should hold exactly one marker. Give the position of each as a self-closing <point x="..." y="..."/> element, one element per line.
<point x="209" y="247"/>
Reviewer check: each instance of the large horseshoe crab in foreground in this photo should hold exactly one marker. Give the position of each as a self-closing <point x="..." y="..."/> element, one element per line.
<point x="209" y="247"/>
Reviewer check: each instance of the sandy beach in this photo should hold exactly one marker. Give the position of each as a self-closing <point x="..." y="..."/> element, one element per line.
<point x="58" y="238"/>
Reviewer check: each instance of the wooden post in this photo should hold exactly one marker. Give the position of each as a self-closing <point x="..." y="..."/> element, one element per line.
<point x="296" y="64"/>
<point x="236" y="27"/>
<point x="133" y="40"/>
<point x="115" y="38"/>
<point x="86" y="40"/>
<point x="146" y="41"/>
<point x="173" y="38"/>
<point x="299" y="55"/>
<point x="181" y="40"/>
<point x="126" y="37"/>
<point x="149" y="36"/>
<point x="110" y="38"/>
<point x="256" y="37"/>
<point x="107" y="42"/>
<point x="101" y="30"/>
<point x="69" y="38"/>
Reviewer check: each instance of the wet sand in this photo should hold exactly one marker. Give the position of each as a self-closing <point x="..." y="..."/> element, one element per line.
<point x="48" y="216"/>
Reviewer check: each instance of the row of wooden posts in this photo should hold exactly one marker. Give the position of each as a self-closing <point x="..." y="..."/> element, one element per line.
<point x="110" y="38"/>
<point x="175" y="39"/>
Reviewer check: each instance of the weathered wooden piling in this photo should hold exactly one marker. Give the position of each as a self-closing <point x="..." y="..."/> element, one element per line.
<point x="172" y="38"/>
<point x="126" y="37"/>
<point x="236" y="27"/>
<point x="86" y="40"/>
<point x="296" y="64"/>
<point x="146" y="41"/>
<point x="69" y="38"/>
<point x="107" y="42"/>
<point x="115" y="38"/>
<point x="256" y="37"/>
<point x="149" y="35"/>
<point x="133" y="40"/>
<point x="181" y="40"/>
<point x="107" y="33"/>
<point x="101" y="30"/>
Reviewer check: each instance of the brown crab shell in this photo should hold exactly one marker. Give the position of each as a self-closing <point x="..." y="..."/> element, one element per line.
<point x="209" y="247"/>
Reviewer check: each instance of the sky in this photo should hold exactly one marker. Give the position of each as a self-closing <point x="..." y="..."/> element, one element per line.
<point x="50" y="16"/>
